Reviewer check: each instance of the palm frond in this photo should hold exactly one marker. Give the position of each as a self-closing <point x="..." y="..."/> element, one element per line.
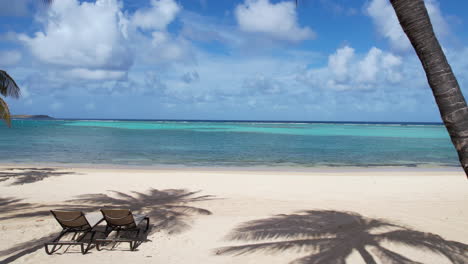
<point x="391" y="257"/>
<point x="5" y="112"/>
<point x="312" y="223"/>
<point x="316" y="245"/>
<point x="168" y="209"/>
<point x="332" y="255"/>
<point x="455" y="251"/>
<point x="8" y="86"/>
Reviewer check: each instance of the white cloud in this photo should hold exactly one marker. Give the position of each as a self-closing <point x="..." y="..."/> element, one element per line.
<point x="97" y="41"/>
<point x="339" y="62"/>
<point x="262" y="85"/>
<point x="369" y="66"/>
<point x="387" y="25"/>
<point x="167" y="47"/>
<point x="276" y="20"/>
<point x="390" y="64"/>
<point x="10" y="57"/>
<point x="348" y="71"/>
<point x="99" y="75"/>
<point x="159" y="46"/>
<point x="24" y="91"/>
<point x="81" y="34"/>
<point x="158" y="16"/>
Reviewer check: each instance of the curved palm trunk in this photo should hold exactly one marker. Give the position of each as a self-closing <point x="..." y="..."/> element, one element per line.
<point x="5" y="112"/>
<point x="415" y="21"/>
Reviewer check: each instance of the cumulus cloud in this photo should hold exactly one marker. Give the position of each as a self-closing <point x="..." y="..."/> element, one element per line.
<point x="338" y="63"/>
<point x="348" y="71"/>
<point x="158" y="16"/>
<point x="262" y="85"/>
<point x="276" y="20"/>
<point x="10" y="57"/>
<point x="160" y="46"/>
<point x="387" y="25"/>
<point x="98" y="41"/>
<point x="165" y="48"/>
<point x="82" y="34"/>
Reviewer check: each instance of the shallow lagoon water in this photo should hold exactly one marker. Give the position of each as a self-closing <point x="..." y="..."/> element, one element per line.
<point x="240" y="144"/>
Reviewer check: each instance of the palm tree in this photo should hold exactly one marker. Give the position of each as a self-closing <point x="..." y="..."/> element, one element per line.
<point x="331" y="236"/>
<point x="416" y="23"/>
<point x="8" y="87"/>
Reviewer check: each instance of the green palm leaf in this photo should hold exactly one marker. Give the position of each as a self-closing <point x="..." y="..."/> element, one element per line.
<point x="8" y="86"/>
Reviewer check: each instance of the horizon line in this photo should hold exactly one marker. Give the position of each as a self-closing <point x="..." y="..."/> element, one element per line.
<point x="244" y="120"/>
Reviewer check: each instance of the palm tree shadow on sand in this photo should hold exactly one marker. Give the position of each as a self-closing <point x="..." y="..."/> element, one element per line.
<point x="169" y="210"/>
<point x="22" y="176"/>
<point x="331" y="236"/>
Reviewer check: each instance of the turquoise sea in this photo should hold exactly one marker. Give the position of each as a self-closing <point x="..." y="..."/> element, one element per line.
<point x="225" y="143"/>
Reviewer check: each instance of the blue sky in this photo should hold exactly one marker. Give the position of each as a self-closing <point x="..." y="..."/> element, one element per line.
<point x="338" y="60"/>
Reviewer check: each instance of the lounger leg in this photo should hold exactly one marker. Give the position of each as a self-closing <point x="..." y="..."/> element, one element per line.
<point x="84" y="251"/>
<point x="46" y="245"/>
<point x="47" y="249"/>
<point x="147" y="223"/>
<point x="135" y="243"/>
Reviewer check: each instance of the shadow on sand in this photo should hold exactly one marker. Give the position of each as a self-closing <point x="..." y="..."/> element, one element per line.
<point x="169" y="211"/>
<point x="30" y="175"/>
<point x="330" y="236"/>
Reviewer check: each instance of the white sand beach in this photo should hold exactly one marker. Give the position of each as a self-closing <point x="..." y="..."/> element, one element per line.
<point x="195" y="228"/>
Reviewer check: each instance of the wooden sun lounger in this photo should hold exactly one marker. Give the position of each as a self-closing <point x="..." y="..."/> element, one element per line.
<point x="74" y="222"/>
<point x="123" y="220"/>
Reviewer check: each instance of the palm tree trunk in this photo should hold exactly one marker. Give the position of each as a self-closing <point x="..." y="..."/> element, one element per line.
<point x="416" y="23"/>
<point x="5" y="112"/>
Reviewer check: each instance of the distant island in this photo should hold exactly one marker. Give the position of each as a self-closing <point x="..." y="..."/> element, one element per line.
<point x="31" y="117"/>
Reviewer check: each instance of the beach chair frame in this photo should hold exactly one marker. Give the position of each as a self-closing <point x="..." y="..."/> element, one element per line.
<point x="76" y="239"/>
<point x="113" y="225"/>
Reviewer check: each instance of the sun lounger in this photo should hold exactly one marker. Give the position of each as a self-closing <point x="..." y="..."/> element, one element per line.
<point x="74" y="222"/>
<point x="123" y="220"/>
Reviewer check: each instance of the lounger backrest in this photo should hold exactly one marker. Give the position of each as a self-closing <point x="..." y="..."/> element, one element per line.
<point x="70" y="219"/>
<point x="118" y="217"/>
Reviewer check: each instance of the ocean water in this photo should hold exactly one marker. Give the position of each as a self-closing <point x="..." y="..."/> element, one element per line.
<point x="153" y="143"/>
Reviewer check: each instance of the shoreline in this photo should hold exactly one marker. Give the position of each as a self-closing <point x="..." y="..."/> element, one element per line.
<point x="256" y="169"/>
